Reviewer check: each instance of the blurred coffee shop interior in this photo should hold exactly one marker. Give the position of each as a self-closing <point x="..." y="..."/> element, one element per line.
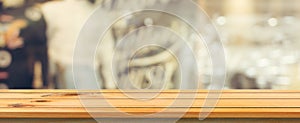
<point x="38" y="38"/>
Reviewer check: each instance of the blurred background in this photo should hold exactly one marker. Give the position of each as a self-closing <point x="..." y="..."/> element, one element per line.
<point x="38" y="37"/>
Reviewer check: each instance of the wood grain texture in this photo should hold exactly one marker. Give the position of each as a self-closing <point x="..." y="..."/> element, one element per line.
<point x="75" y="104"/>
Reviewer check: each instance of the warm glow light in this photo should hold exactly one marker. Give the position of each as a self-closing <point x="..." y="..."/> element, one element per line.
<point x="221" y="20"/>
<point x="273" y="22"/>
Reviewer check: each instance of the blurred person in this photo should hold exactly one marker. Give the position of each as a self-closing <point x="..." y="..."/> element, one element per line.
<point x="64" y="20"/>
<point x="22" y="42"/>
<point x="165" y="70"/>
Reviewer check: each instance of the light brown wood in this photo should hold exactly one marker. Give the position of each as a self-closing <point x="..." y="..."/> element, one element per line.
<point x="69" y="104"/>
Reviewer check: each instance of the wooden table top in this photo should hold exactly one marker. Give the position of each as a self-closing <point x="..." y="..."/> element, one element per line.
<point x="78" y="104"/>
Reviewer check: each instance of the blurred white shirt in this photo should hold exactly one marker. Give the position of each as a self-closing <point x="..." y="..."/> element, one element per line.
<point x="64" y="22"/>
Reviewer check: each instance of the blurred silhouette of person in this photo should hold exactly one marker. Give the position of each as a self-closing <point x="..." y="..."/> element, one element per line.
<point x="64" y="20"/>
<point x="23" y="37"/>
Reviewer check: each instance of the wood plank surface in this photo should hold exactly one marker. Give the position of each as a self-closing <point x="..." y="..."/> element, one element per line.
<point x="170" y="104"/>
